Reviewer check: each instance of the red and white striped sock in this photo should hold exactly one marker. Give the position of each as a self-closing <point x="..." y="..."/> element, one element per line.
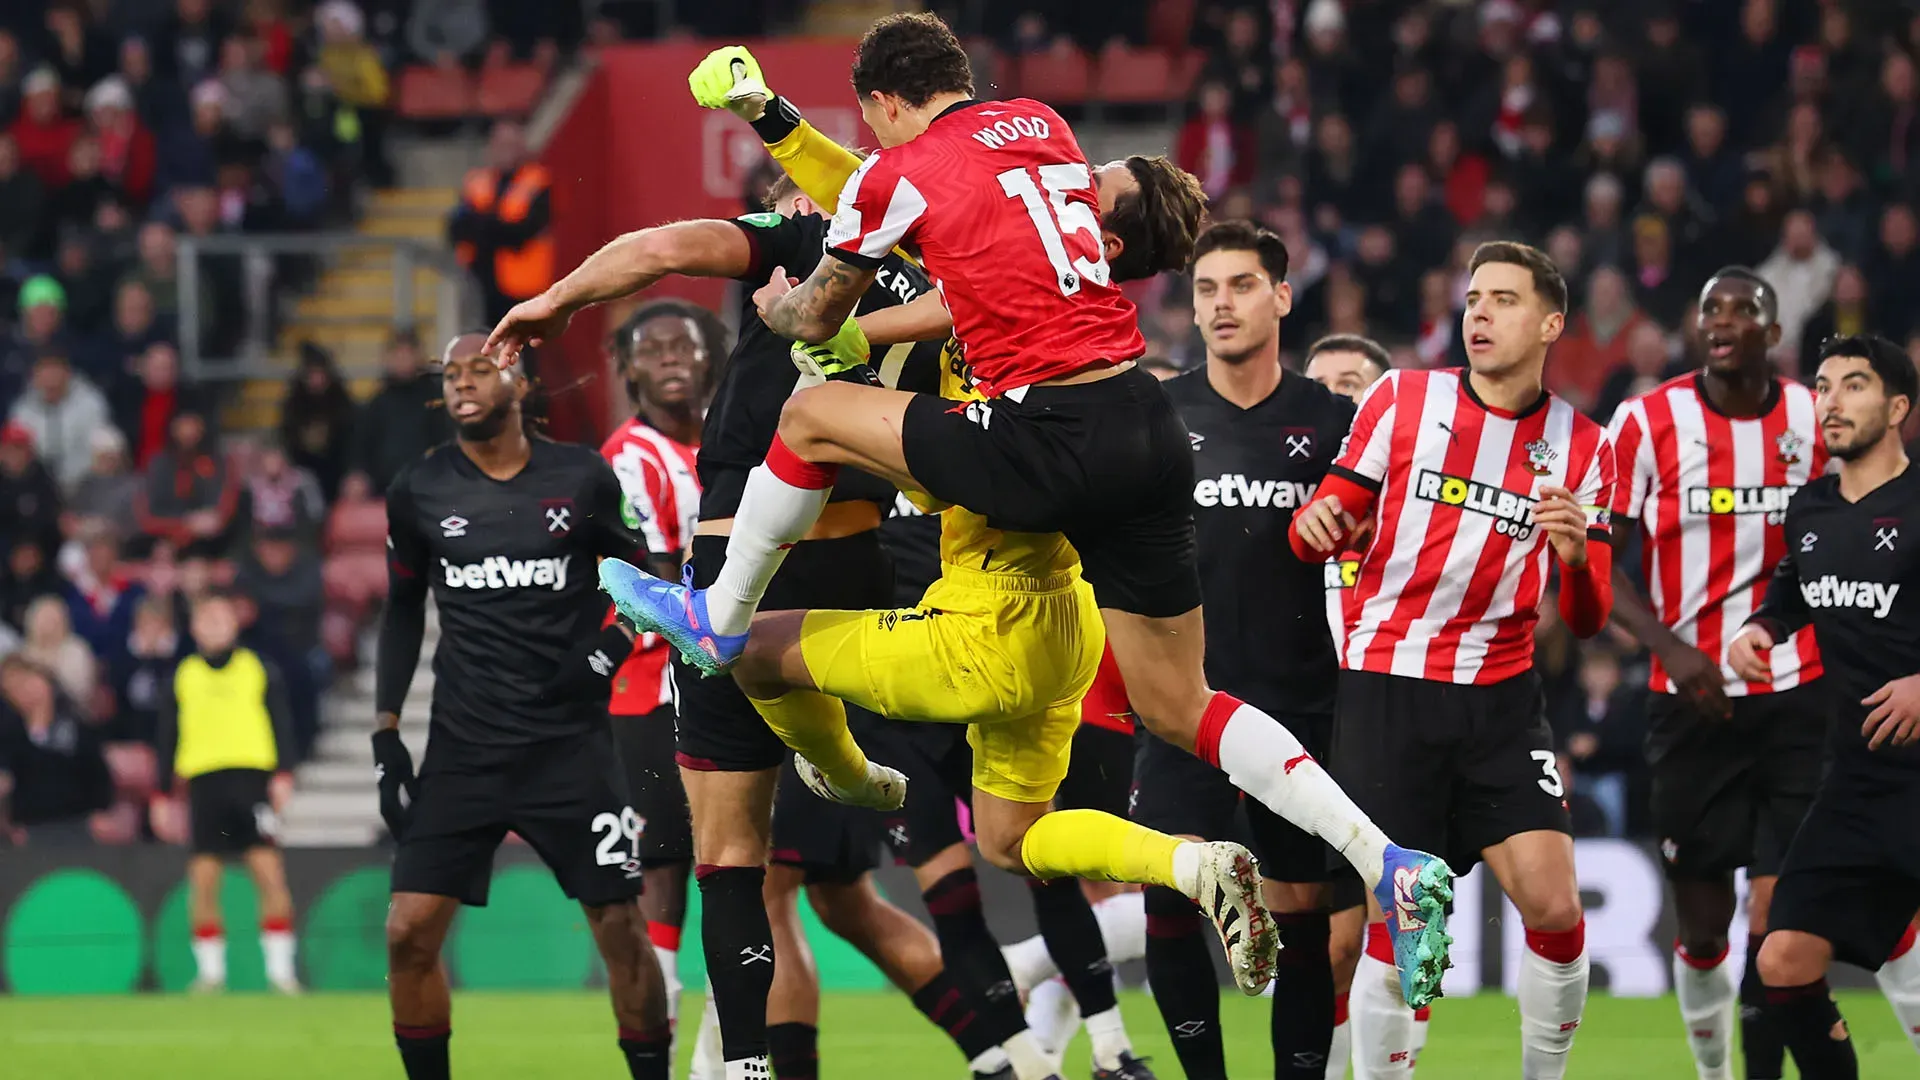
<point x="210" y="954"/>
<point x="1553" y="994"/>
<point x="783" y="498"/>
<point x="1341" y="1050"/>
<point x="1899" y="979"/>
<point x="666" y="949"/>
<point x="277" y="949"/>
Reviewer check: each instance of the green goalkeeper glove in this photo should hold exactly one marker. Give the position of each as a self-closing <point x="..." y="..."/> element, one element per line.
<point x="729" y="78"/>
<point x="844" y="352"/>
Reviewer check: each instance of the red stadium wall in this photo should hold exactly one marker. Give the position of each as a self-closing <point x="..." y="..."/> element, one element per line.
<point x="636" y="151"/>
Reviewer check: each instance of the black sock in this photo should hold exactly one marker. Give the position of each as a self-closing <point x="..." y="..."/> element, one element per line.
<point x="1180" y="971"/>
<point x="972" y="955"/>
<point x="1302" y="997"/>
<point x="1072" y="934"/>
<point x="738" y="943"/>
<point x="1815" y="1033"/>
<point x="649" y="1053"/>
<point x="953" y="1010"/>
<point x="795" y="1050"/>
<point x="423" y="1050"/>
<point x="1762" y="1044"/>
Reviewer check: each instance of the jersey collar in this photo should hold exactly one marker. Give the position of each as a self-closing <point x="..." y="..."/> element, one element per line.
<point x="1706" y="402"/>
<point x="1466" y="387"/>
<point x="954" y="108"/>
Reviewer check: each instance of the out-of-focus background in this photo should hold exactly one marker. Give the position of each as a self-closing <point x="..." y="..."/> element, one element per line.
<point x="234" y="235"/>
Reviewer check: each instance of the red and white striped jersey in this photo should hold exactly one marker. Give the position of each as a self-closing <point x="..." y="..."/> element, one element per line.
<point x="1710" y="493"/>
<point x="1341" y="576"/>
<point x="1451" y="585"/>
<point x="661" y="492"/>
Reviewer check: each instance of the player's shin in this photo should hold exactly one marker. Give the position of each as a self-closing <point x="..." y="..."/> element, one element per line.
<point x="1815" y="1033"/>
<point x="1899" y="980"/>
<point x="1763" y="1047"/>
<point x="1100" y="847"/>
<point x="1072" y="934"/>
<point x="1303" y="1014"/>
<point x="1706" y="994"/>
<point x="782" y="500"/>
<point x="1181" y="975"/>
<point x="1553" y="994"/>
<point x="738" y="940"/>
<point x="815" y="726"/>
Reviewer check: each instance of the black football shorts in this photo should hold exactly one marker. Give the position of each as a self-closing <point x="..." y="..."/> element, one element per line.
<point x="1852" y="873"/>
<point x="232" y="811"/>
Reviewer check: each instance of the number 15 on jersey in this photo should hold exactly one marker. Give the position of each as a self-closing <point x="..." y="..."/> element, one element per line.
<point x="1059" y="221"/>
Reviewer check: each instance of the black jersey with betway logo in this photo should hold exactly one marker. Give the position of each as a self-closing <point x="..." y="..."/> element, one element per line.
<point x="512" y="566"/>
<point x="1268" y="642"/>
<point x="1852" y="570"/>
<point x="760" y="375"/>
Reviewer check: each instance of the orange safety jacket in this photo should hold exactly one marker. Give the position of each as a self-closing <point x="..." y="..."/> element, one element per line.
<point x="523" y="271"/>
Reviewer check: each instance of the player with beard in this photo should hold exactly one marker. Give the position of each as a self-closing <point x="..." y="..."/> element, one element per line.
<point x="662" y="353"/>
<point x="1368" y="1011"/>
<point x="1705" y="465"/>
<point x="1850" y="880"/>
<point x="503" y="529"/>
<point x="1481" y="479"/>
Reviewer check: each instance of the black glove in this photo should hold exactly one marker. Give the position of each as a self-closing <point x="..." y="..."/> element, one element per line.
<point x="588" y="671"/>
<point x="393" y="771"/>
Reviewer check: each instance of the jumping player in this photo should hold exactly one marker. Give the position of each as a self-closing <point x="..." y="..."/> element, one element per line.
<point x="662" y="353"/>
<point x="1850" y="880"/>
<point x="1441" y="732"/>
<point x="1071" y="438"/>
<point x="1705" y="465"/>
<point x="503" y="529"/>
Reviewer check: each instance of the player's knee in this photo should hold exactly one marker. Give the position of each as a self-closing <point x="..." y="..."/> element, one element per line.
<point x="1343" y="954"/>
<point x="410" y="943"/>
<point x="1788" y="960"/>
<point x="803" y="419"/>
<point x="842" y="908"/>
<point x="1004" y="852"/>
<point x="1557" y="912"/>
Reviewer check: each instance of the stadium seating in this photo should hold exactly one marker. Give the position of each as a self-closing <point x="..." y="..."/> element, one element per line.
<point x="433" y="92"/>
<point x="1061" y="75"/>
<point x="1130" y="76"/>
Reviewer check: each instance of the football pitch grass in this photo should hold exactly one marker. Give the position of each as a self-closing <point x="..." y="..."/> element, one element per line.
<point x="569" y="1036"/>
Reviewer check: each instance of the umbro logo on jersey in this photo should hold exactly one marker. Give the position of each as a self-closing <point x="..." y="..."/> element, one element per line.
<point x="1342" y="574"/>
<point x="1512" y="512"/>
<point x="601" y="663"/>
<point x="1807" y="541"/>
<point x="453" y="525"/>
<point x="1196" y="439"/>
<point x="500" y="572"/>
<point x="1771" y="501"/>
<point x="1233" y="489"/>
<point x="1828" y="591"/>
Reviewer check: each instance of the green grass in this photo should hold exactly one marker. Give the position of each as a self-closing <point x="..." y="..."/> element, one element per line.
<point x="570" y="1036"/>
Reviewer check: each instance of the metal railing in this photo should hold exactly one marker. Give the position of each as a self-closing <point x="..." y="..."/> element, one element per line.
<point x="456" y="308"/>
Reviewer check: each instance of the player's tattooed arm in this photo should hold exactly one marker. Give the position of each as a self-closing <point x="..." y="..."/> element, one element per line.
<point x="815" y="309"/>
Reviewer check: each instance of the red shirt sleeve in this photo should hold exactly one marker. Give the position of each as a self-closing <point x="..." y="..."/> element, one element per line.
<point x="879" y="208"/>
<point x="1355" y="501"/>
<point x="1586" y="594"/>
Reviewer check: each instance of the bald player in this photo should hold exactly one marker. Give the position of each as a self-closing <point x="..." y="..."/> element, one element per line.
<point x="504" y="529"/>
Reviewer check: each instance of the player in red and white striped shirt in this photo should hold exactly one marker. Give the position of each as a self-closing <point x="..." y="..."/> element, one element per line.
<point x="662" y="351"/>
<point x="1441" y="733"/>
<point x="1706" y="464"/>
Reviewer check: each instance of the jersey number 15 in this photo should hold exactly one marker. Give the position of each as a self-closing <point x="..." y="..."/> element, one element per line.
<point x="1065" y="217"/>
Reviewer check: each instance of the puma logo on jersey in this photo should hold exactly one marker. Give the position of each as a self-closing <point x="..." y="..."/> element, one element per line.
<point x="1828" y="591"/>
<point x="1002" y="132"/>
<point x="1511" y="511"/>
<point x="500" y="572"/>
<point x="1771" y="501"/>
<point x="1233" y="489"/>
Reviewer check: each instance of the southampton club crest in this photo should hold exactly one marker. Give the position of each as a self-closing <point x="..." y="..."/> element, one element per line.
<point x="1789" y="444"/>
<point x="559" y="516"/>
<point x="1540" y="457"/>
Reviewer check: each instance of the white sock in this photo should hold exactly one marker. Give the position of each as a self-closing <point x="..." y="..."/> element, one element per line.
<point x="1340" y="1050"/>
<point x="210" y="959"/>
<point x="1107" y="1031"/>
<point x="1552" y="996"/>
<point x="753" y="1068"/>
<point x="1030" y="963"/>
<point x="670" y="974"/>
<point x="1380" y="1026"/>
<point x="1263" y="759"/>
<point x="1123" y="925"/>
<point x="990" y="1062"/>
<point x="773" y="516"/>
<point x="1029" y="1061"/>
<point x="1899" y="979"/>
<point x="1052" y="1016"/>
<point x="277" y="948"/>
<point x="1420" y="1025"/>
<point x="1707" y="1000"/>
<point x="708" y="1064"/>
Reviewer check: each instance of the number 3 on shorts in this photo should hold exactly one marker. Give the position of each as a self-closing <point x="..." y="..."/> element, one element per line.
<point x="1551" y="782"/>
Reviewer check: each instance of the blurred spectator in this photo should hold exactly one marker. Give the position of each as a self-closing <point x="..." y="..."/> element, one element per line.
<point x="144" y="414"/>
<point x="1669" y="70"/>
<point x="159" y="268"/>
<point x="1243" y="65"/>
<point x="128" y="153"/>
<point x="43" y="305"/>
<point x="1283" y="129"/>
<point x="1334" y="187"/>
<point x="51" y="767"/>
<point x="145" y="670"/>
<point x="1214" y="146"/>
<point x="10" y="69"/>
<point x="447" y="31"/>
<point x="190" y="496"/>
<point x="1425" y="229"/>
<point x="101" y="597"/>
<point x="29" y="498"/>
<point x="1461" y="174"/>
<point x="1603" y="234"/>
<point x="22" y="202"/>
<point x="1748" y="70"/>
<point x="1610" y="150"/>
<point x="282" y="577"/>
<point x="104" y="498"/>
<point x="222" y="291"/>
<point x="1438" y="343"/>
<point x="62" y="410"/>
<point x="296" y="176"/>
<point x="1801" y="272"/>
<point x="1391" y="283"/>
<point x="1649" y="363"/>
<point x="190" y="154"/>
<point x="1712" y="168"/>
<point x="1658" y="287"/>
<point x="1886" y="134"/>
<point x="283" y="499"/>
<point x="48" y="640"/>
<point x="354" y="74"/>
<point x="1842" y="208"/>
<point x="1895" y="271"/>
<point x="78" y="202"/>
<point x="1495" y="117"/>
<point x="1602" y="728"/>
<point x="316" y="418"/>
<point x="1688" y="220"/>
<point x="1848" y="311"/>
<point x="399" y="422"/>
<point x="30" y="575"/>
<point x="501" y="230"/>
<point x="1596" y="341"/>
<point x="158" y="101"/>
<point x="187" y="46"/>
<point x="77" y="51"/>
<point x="1398" y="129"/>
<point x="88" y="285"/>
<point x="1545" y="184"/>
<point x="1795" y="162"/>
<point x="255" y="97"/>
<point x="111" y="356"/>
<point x="267" y="21"/>
<point x="43" y="132"/>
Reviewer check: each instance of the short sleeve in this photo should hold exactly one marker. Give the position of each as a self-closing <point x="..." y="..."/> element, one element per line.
<point x="1632" y="461"/>
<point x="642" y="482"/>
<point x="1595" y="492"/>
<point x="1363" y="456"/>
<point x="879" y="208"/>
<point x="776" y="240"/>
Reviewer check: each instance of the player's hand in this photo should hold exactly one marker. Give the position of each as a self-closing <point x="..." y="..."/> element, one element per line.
<point x="729" y="78"/>
<point x="768" y="295"/>
<point x="1700" y="679"/>
<point x="846" y="351"/>
<point x="1565" y="523"/>
<point x="1895" y="719"/>
<point x="1748" y="654"/>
<point x="588" y="670"/>
<point x="530" y="323"/>
<point x="1323" y="523"/>
<point x="393" y="772"/>
<point x="280" y="791"/>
